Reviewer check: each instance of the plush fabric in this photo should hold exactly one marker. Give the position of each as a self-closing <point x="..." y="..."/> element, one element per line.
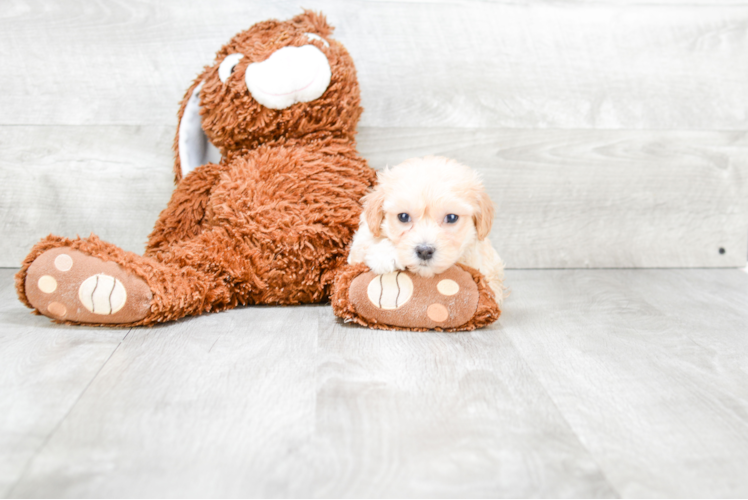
<point x="457" y="300"/>
<point x="194" y="148"/>
<point x="65" y="281"/>
<point x="290" y="75"/>
<point x="269" y="224"/>
<point x="266" y="203"/>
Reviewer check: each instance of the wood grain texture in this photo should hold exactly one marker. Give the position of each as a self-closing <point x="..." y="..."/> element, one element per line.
<point x="592" y="121"/>
<point x="540" y="64"/>
<point x="594" y="383"/>
<point x="44" y="370"/>
<point x="211" y="406"/>
<point x="279" y="402"/>
<point x="565" y="198"/>
<point x="649" y="369"/>
<point x="112" y="181"/>
<point x="585" y="198"/>
<point x="438" y="415"/>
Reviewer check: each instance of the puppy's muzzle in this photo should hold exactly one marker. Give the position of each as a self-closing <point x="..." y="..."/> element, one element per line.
<point x="425" y="252"/>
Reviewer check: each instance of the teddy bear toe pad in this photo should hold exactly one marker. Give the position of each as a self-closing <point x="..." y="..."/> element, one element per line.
<point x="403" y="299"/>
<point x="68" y="285"/>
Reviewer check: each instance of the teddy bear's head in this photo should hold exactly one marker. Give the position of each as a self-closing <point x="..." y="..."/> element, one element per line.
<point x="278" y="80"/>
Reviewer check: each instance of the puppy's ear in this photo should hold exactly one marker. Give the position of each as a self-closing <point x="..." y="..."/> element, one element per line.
<point x="373" y="212"/>
<point x="483" y="215"/>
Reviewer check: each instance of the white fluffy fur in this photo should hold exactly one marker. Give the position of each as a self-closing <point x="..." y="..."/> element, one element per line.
<point x="428" y="189"/>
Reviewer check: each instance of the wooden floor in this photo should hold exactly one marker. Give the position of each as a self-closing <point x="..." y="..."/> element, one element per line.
<point x="601" y="383"/>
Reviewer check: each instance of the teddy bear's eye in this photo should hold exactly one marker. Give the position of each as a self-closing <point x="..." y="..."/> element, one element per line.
<point x="314" y="36"/>
<point x="227" y="66"/>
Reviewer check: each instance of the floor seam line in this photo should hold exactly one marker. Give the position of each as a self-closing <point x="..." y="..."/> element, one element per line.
<point x="566" y="421"/>
<point x="24" y="471"/>
<point x="315" y="389"/>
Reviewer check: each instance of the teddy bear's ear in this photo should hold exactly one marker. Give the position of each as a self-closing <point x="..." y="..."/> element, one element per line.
<point x="191" y="144"/>
<point x="313" y="22"/>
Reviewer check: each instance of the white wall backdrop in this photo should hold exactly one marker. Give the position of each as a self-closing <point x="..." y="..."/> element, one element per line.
<point x="610" y="133"/>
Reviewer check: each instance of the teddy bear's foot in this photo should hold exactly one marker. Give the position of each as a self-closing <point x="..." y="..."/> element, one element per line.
<point x="68" y="285"/>
<point x="458" y="299"/>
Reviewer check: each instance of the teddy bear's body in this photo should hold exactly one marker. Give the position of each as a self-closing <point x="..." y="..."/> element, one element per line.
<point x="268" y="223"/>
<point x="269" y="226"/>
<point x="268" y="197"/>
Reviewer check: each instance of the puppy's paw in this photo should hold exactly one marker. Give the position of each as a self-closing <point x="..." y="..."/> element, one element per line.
<point x="382" y="258"/>
<point x="381" y="265"/>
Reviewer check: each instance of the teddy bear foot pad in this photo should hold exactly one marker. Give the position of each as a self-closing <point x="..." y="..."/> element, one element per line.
<point x="68" y="285"/>
<point x="403" y="299"/>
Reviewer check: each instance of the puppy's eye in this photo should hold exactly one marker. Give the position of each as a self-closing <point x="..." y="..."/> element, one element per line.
<point x="451" y="218"/>
<point x="403" y="217"/>
<point x="227" y="66"/>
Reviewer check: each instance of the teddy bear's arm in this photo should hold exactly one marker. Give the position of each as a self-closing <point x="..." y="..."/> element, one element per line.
<point x="183" y="216"/>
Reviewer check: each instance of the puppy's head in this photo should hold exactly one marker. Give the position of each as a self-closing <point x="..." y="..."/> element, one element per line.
<point x="432" y="209"/>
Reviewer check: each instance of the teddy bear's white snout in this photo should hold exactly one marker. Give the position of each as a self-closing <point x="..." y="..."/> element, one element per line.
<point x="288" y="76"/>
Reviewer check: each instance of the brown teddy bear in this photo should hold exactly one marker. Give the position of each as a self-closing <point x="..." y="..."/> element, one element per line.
<point x="267" y="199"/>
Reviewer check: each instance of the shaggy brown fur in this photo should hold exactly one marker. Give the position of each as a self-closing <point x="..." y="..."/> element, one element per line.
<point x="487" y="311"/>
<point x="271" y="224"/>
<point x="235" y="122"/>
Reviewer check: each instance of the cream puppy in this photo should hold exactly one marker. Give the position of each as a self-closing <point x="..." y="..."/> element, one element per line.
<point x="425" y="215"/>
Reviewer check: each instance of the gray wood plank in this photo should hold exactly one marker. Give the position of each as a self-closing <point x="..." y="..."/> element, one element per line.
<point x="436" y="415"/>
<point x="544" y="64"/>
<point x="594" y="383"/>
<point x="215" y="406"/>
<point x="112" y="181"/>
<point x="598" y="198"/>
<point x="649" y="369"/>
<point x="284" y="402"/>
<point x="44" y="370"/>
<point x="565" y="198"/>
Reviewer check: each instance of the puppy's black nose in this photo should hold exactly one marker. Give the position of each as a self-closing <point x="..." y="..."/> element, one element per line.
<point x="425" y="252"/>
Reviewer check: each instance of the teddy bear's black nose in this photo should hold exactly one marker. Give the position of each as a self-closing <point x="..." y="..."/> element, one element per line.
<point x="425" y="252"/>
